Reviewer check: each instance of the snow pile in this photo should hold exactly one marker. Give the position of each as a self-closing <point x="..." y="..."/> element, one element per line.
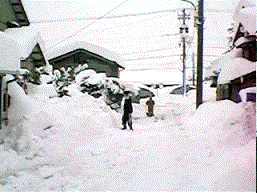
<point x="242" y="175"/>
<point x="32" y="121"/>
<point x="245" y="14"/>
<point x="42" y="91"/>
<point x="224" y="126"/>
<point x="111" y="89"/>
<point x="27" y="39"/>
<point x="74" y="144"/>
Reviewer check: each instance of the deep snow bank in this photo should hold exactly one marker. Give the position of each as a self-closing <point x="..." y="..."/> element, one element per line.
<point x="230" y="128"/>
<point x="33" y="118"/>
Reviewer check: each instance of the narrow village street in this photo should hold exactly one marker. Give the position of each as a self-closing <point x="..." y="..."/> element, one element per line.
<point x="74" y="73"/>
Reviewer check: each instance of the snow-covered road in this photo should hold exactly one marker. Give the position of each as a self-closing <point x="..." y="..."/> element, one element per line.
<point x="80" y="147"/>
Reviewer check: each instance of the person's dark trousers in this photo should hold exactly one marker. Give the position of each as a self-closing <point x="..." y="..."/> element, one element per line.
<point x="126" y="118"/>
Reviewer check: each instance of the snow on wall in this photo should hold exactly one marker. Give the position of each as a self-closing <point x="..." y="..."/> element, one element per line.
<point x="243" y="93"/>
<point x="73" y="45"/>
<point x="235" y="68"/>
<point x="9" y="53"/>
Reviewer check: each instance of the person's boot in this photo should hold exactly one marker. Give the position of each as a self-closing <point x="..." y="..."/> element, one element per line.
<point x="131" y="128"/>
<point x="124" y="128"/>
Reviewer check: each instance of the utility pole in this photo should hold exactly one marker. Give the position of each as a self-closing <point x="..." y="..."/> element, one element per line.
<point x="184" y="31"/>
<point x="199" y="87"/>
<point x="193" y="68"/>
<point x="184" y="54"/>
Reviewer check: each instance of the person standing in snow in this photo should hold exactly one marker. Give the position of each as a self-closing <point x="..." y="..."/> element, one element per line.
<point x="127" y="111"/>
<point x="150" y="103"/>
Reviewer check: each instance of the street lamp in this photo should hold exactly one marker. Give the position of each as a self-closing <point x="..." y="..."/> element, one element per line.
<point x="199" y="24"/>
<point x="183" y="18"/>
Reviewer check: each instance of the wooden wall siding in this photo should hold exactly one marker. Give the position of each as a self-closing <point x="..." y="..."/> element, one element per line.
<point x="223" y="92"/>
<point x="231" y="91"/>
<point x="98" y="66"/>
<point x="12" y="10"/>
<point x="6" y="14"/>
<point x="35" y="59"/>
<point x="28" y="64"/>
<point x="81" y="58"/>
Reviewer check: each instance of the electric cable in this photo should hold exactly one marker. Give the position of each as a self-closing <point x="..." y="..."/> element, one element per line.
<point x="74" y="34"/>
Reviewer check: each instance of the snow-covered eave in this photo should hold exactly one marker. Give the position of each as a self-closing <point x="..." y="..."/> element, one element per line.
<point x="27" y="38"/>
<point x="234" y="69"/>
<point x="243" y="40"/>
<point x="9" y="72"/>
<point x="71" y="46"/>
<point x="218" y="63"/>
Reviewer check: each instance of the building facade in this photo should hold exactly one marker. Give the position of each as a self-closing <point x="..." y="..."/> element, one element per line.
<point x="79" y="53"/>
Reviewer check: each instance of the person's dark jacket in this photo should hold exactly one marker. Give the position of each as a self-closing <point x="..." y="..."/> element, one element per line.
<point x="128" y="106"/>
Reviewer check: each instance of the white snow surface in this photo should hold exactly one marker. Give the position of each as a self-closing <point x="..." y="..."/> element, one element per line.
<point x="75" y="144"/>
<point x="9" y="53"/>
<point x="27" y="39"/>
<point x="247" y="17"/>
<point x="235" y="68"/>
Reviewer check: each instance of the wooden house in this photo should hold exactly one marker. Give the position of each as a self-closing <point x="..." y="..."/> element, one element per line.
<point x="12" y="15"/>
<point x="78" y="53"/>
<point x="236" y="70"/>
<point x="31" y="47"/>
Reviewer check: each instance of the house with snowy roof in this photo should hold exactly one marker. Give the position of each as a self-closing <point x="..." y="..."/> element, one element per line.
<point x="31" y="46"/>
<point x="20" y="46"/>
<point x="236" y="70"/>
<point x="12" y="15"/>
<point x="75" y="53"/>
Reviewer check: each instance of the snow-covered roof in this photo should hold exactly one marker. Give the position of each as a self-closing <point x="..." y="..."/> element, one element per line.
<point x="244" y="4"/>
<point x="27" y="38"/>
<point x="219" y="63"/>
<point x="235" y="68"/>
<point x="9" y="54"/>
<point x="74" y="45"/>
<point x="242" y="40"/>
<point x="247" y="17"/>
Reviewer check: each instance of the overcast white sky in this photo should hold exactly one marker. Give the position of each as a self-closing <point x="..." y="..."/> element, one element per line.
<point x="144" y="41"/>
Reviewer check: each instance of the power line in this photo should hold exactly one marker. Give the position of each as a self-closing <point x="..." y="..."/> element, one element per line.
<point x="149" y="51"/>
<point x="158" y="57"/>
<point x="120" y="26"/>
<point x="162" y="69"/>
<point x="108" y="17"/>
<point x="119" y="16"/>
<point x="70" y="36"/>
<point x="147" y="69"/>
